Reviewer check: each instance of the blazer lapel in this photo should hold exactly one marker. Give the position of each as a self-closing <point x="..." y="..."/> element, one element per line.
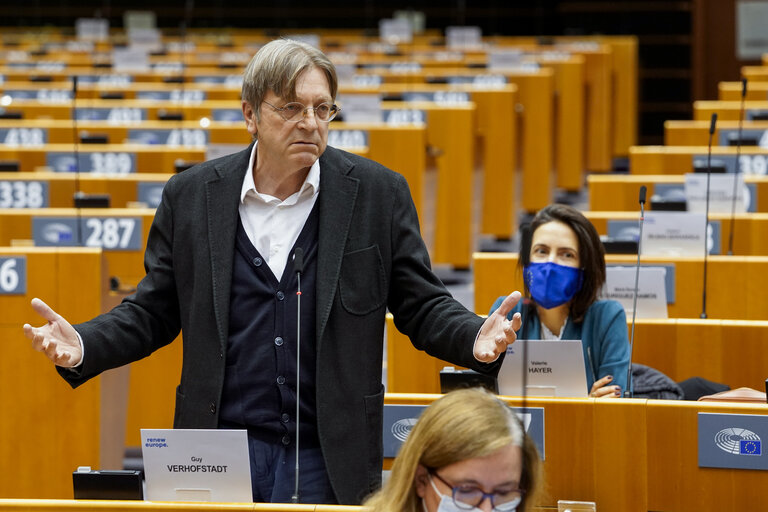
<point x="222" y="201"/>
<point x="338" y="192"/>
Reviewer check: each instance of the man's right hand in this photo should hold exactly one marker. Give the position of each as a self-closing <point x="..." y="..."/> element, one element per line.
<point x="57" y="338"/>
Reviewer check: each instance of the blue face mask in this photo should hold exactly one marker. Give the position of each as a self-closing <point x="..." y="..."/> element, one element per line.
<point x="552" y="285"/>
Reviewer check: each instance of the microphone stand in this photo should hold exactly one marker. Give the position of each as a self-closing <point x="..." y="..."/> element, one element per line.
<point x="706" y="222"/>
<point x="298" y="266"/>
<point x="629" y="391"/>
<point x="738" y="167"/>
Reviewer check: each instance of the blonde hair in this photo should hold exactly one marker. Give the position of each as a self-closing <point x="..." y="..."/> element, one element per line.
<point x="461" y="425"/>
<point x="277" y="66"/>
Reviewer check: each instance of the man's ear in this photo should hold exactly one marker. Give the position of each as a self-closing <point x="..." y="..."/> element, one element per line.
<point x="250" y="118"/>
<point x="421" y="480"/>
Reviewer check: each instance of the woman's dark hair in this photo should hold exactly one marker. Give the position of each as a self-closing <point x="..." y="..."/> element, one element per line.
<point x="591" y="253"/>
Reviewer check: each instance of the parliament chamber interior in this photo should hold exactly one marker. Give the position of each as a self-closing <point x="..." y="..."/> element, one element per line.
<point x="491" y="111"/>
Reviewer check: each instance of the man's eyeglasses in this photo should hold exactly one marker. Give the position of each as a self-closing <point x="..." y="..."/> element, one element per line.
<point x="467" y="497"/>
<point x="295" y="112"/>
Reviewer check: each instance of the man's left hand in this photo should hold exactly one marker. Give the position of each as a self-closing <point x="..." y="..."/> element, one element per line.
<point x="497" y="332"/>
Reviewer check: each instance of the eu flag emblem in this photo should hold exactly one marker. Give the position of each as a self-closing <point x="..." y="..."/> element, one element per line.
<point x="748" y="447"/>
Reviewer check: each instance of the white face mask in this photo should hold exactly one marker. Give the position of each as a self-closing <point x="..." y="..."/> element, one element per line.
<point x="448" y="505"/>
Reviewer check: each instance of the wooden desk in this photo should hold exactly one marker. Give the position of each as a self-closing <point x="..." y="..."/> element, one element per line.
<point x="696" y="133"/>
<point x="106" y="158"/>
<point x="679" y="159"/>
<point x="726" y="110"/>
<point x="737" y="284"/>
<point x="731" y="91"/>
<point x="748" y="228"/>
<point x="38" y="505"/>
<point x="727" y="351"/>
<point x="650" y="447"/>
<point x="49" y="429"/>
<point x="122" y="189"/>
<point x="127" y="265"/>
<point x="620" y="192"/>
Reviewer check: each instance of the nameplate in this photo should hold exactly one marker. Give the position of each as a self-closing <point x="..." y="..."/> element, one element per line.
<point x="228" y="80"/>
<point x="404" y="66"/>
<point x="732" y="441"/>
<point x="92" y="29"/>
<point x="196" y="465"/>
<point x="395" y="31"/>
<point x="145" y="39"/>
<point x="168" y="67"/>
<point x="13" y="275"/>
<point x="24" y="194"/>
<point x="482" y="80"/>
<point x="677" y="234"/>
<point x="228" y="115"/>
<point x="403" y="116"/>
<point x="175" y="96"/>
<point x="505" y="59"/>
<point x="463" y="37"/>
<point x="360" y="108"/>
<point x="110" y="79"/>
<point x="95" y="162"/>
<point x="25" y="137"/>
<point x="676" y="192"/>
<point x="749" y="163"/>
<point x="173" y="137"/>
<point x="721" y="193"/>
<point x="669" y="277"/>
<point x="749" y="137"/>
<point x="347" y="139"/>
<point x="150" y="193"/>
<point x="310" y="39"/>
<point x="756" y="114"/>
<point x="439" y="97"/>
<point x="116" y="115"/>
<point x="363" y="81"/>
<point x="41" y="95"/>
<point x="651" y="290"/>
<point x="399" y="420"/>
<point x="108" y="233"/>
<point x="130" y="59"/>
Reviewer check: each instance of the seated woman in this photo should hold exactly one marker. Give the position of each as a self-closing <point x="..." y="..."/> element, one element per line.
<point x="563" y="265"/>
<point x="468" y="451"/>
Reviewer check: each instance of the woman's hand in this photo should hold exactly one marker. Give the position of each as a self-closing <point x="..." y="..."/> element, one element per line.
<point x="602" y="389"/>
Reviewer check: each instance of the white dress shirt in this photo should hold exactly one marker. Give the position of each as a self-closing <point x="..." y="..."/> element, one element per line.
<point x="272" y="225"/>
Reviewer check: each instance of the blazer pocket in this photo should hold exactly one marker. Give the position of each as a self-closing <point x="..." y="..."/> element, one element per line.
<point x="362" y="283"/>
<point x="374" y="412"/>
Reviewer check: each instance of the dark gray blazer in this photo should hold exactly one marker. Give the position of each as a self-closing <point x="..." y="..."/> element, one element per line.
<point x="370" y="257"/>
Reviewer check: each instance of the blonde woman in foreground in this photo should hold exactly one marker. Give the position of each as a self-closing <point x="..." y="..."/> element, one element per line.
<point x="468" y="451"/>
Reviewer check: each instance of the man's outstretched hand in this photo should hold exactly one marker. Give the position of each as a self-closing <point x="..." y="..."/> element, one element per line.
<point x="57" y="339"/>
<point x="497" y="332"/>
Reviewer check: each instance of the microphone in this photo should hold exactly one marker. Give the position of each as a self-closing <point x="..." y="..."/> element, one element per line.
<point x="76" y="153"/>
<point x="738" y="167"/>
<point x="706" y="223"/>
<point x="298" y="267"/>
<point x="629" y="392"/>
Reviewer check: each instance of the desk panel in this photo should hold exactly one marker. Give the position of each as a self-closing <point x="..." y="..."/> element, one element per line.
<point x="127" y="265"/>
<point x="737" y="285"/>
<point x="39" y="444"/>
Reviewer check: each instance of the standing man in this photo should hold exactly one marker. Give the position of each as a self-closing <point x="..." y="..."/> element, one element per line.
<point x="220" y="268"/>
